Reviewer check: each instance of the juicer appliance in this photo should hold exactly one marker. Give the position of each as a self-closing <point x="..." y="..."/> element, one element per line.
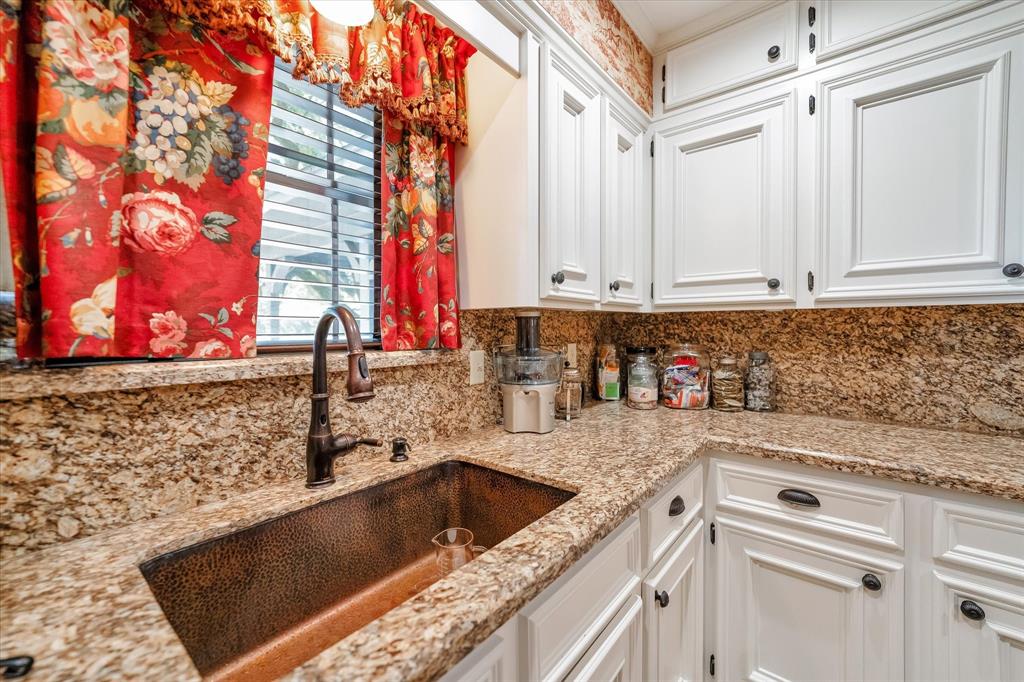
<point x="528" y="375"/>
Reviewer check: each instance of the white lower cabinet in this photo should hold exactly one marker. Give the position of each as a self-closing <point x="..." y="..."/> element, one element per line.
<point x="674" y="612"/>
<point x="979" y="630"/>
<point x="616" y="655"/>
<point x="796" y="608"/>
<point x="558" y="627"/>
<point x="496" y="660"/>
<point x="777" y="572"/>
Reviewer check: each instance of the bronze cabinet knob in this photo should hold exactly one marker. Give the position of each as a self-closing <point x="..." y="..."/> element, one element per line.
<point x="1013" y="270"/>
<point x="870" y="581"/>
<point x="972" y="610"/>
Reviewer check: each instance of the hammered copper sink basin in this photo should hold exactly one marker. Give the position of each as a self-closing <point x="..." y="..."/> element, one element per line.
<point x="257" y="602"/>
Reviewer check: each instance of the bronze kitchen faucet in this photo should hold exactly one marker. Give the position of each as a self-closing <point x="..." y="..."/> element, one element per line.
<point x="322" y="446"/>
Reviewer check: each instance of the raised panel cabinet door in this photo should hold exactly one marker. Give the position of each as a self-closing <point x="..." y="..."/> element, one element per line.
<point x="494" y="660"/>
<point x="921" y="177"/>
<point x="745" y="51"/>
<point x="724" y="216"/>
<point x="791" y="607"/>
<point x="978" y="630"/>
<point x="624" y="217"/>
<point x="570" y="226"/>
<point x="673" y="597"/>
<point x="616" y="655"/>
<point x="846" y="25"/>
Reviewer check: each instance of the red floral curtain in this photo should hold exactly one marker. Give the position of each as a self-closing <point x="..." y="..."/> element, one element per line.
<point x="133" y="226"/>
<point x="135" y="221"/>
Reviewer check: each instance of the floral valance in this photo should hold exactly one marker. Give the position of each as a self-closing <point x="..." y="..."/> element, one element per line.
<point x="402" y="61"/>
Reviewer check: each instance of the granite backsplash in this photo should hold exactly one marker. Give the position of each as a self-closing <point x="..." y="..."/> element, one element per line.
<point x="74" y="465"/>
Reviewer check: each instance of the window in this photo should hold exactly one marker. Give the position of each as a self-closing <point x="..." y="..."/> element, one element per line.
<point x="320" y="244"/>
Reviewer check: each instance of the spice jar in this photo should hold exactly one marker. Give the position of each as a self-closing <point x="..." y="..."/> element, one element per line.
<point x="727" y="386"/>
<point x="686" y="382"/>
<point x="760" y="383"/>
<point x="606" y="376"/>
<point x="643" y="384"/>
<point x="569" y="397"/>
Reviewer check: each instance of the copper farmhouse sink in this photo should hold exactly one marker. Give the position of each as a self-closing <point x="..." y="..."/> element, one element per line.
<point x="258" y="602"/>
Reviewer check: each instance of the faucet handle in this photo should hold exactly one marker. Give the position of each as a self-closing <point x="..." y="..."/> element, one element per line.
<point x="374" y="442"/>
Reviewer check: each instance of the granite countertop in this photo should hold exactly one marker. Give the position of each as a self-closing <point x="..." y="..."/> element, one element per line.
<point x="84" y="610"/>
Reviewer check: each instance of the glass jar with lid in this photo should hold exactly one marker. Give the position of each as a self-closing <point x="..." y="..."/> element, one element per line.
<point x="642" y="391"/>
<point x="727" y="386"/>
<point x="633" y="353"/>
<point x="569" y="398"/>
<point x="686" y="381"/>
<point x="760" y="384"/>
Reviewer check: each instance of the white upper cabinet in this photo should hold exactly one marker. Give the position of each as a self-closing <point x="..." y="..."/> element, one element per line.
<point x="846" y="25"/>
<point x="793" y="608"/>
<point x="921" y="172"/>
<point x="724" y="195"/>
<point x="625" y="210"/>
<point x="570" y="175"/>
<point x="755" y="48"/>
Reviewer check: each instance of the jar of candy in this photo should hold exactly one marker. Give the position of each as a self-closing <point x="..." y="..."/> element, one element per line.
<point x="642" y="392"/>
<point x="606" y="372"/>
<point x="760" y="384"/>
<point x="686" y="381"/>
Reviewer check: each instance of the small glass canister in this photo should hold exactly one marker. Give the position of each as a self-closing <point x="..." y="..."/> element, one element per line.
<point x="634" y="352"/>
<point x="569" y="398"/>
<point x="760" y="383"/>
<point x="727" y="386"/>
<point x="643" y="384"/>
<point x="686" y="382"/>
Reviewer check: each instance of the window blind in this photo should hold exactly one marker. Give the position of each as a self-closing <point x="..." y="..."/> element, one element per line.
<point x="320" y="242"/>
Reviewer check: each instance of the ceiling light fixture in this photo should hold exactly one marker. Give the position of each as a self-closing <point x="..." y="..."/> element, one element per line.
<point x="345" y="12"/>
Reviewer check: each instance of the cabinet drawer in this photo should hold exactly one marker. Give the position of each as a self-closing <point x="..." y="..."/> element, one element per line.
<point x="664" y="518"/>
<point x="733" y="56"/>
<point x="560" y="624"/>
<point x="979" y="539"/>
<point x="843" y="509"/>
<point x="616" y="653"/>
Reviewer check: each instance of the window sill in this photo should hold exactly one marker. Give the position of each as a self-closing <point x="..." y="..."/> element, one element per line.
<point x="19" y="384"/>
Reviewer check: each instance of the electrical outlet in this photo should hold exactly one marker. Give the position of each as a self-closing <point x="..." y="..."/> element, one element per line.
<point x="570" y="354"/>
<point x="477" y="358"/>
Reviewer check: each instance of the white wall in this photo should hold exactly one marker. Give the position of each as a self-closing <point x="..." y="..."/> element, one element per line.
<point x="496" y="228"/>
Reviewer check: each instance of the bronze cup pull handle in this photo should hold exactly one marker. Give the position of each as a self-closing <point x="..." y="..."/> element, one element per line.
<point x="799" y="498"/>
<point x="677" y="506"/>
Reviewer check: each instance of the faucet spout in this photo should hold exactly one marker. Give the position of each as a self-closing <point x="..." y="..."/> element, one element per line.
<point x="322" y="446"/>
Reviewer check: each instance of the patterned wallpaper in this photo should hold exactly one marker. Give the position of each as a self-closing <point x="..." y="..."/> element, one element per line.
<point x="599" y="28"/>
